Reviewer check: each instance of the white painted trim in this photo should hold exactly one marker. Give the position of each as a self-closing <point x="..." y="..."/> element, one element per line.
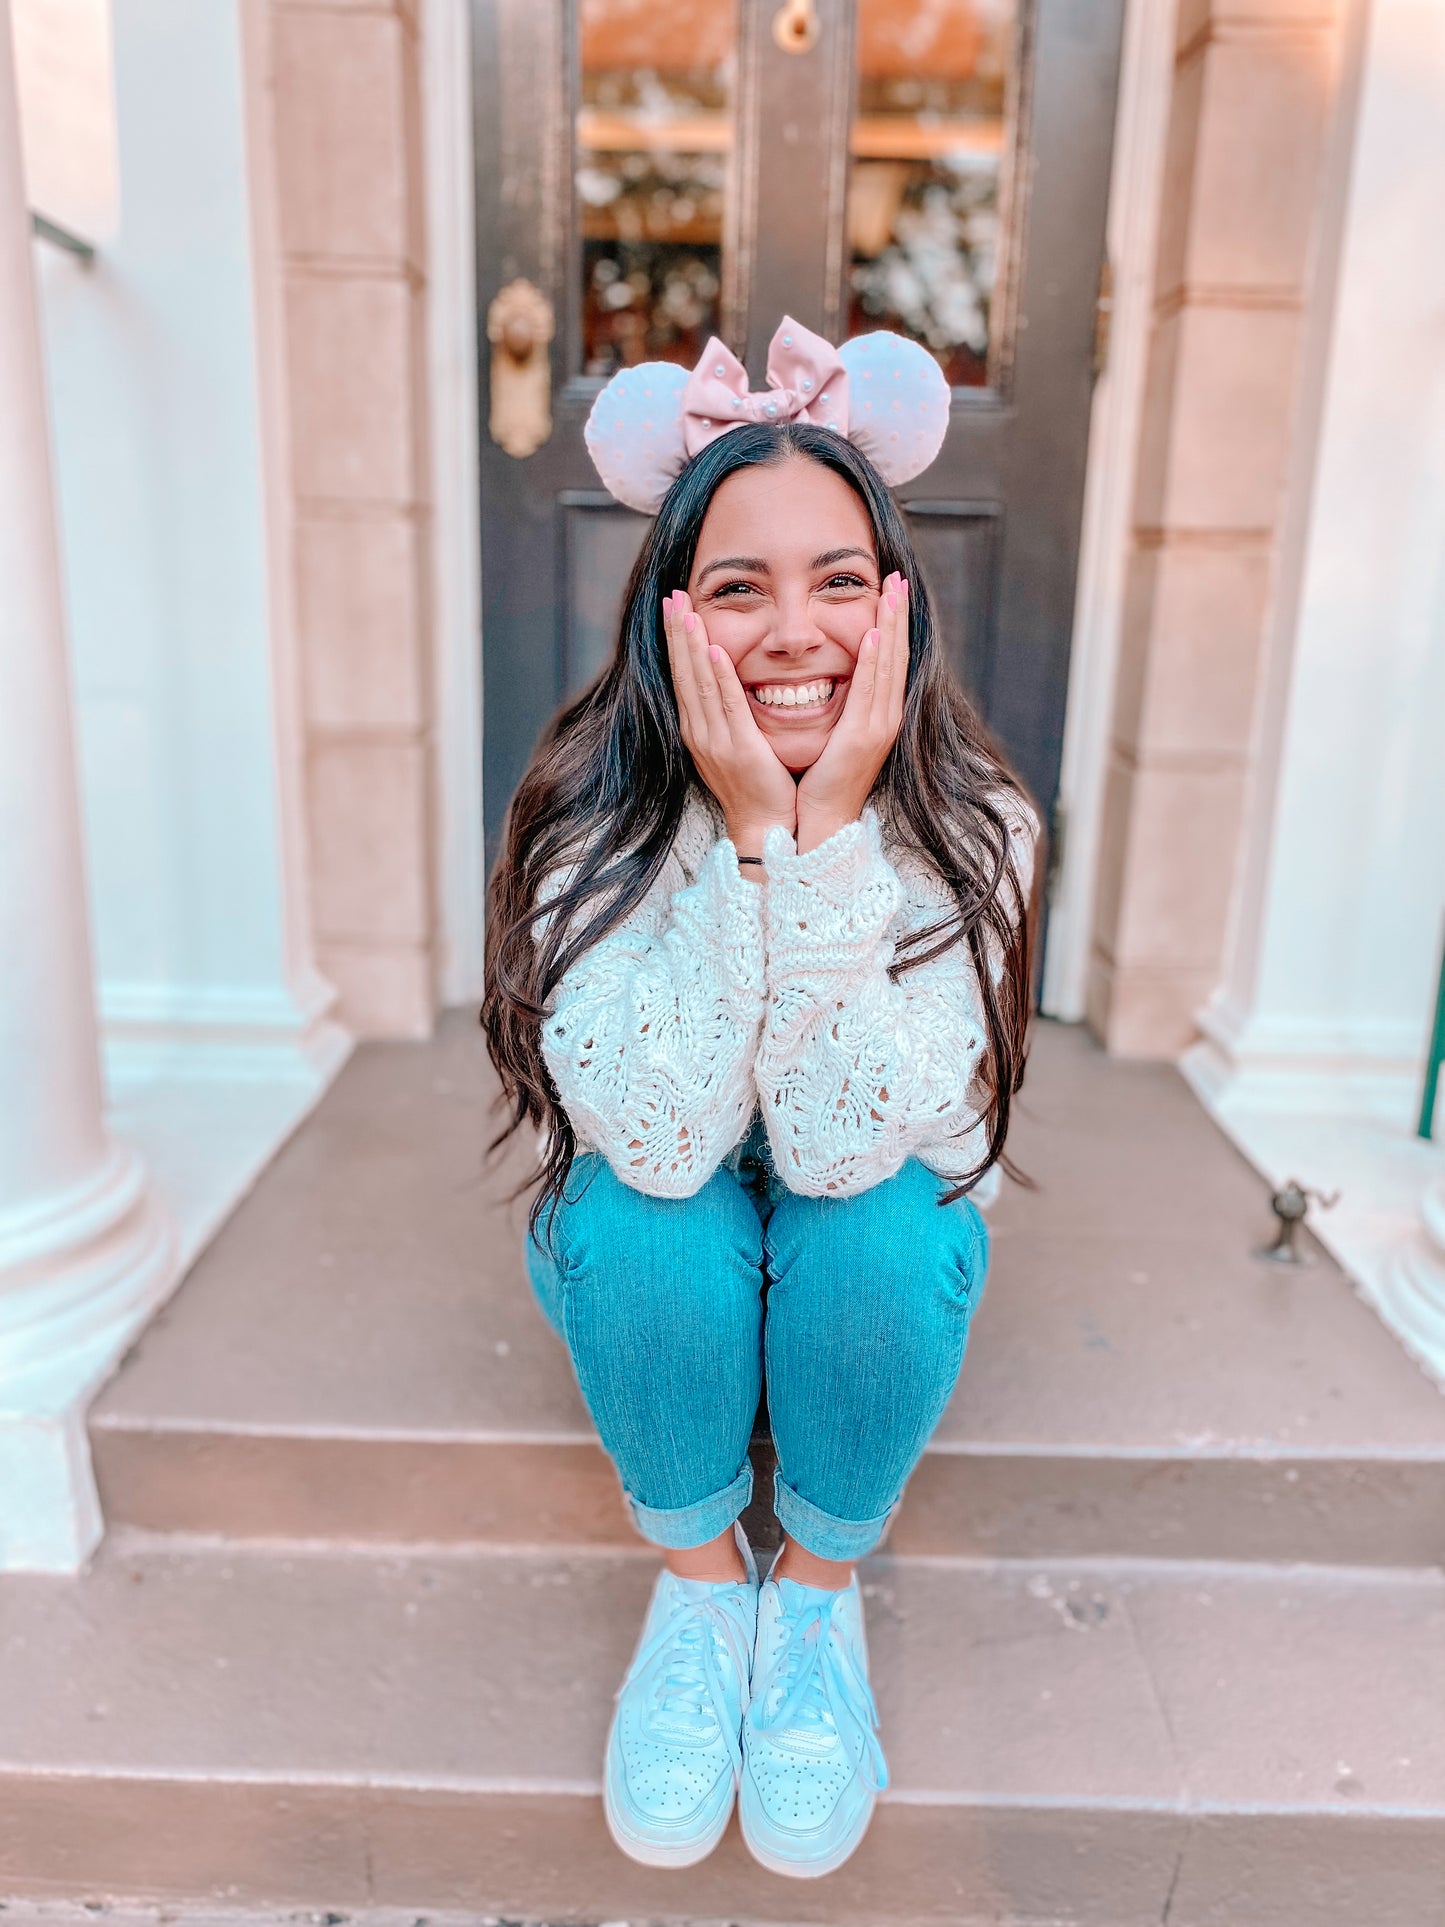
<point x="268" y="291"/>
<point x="1254" y="867"/>
<point x="1141" y="130"/>
<point x="182" y="1063"/>
<point x="1410" y="1297"/>
<point x="1305" y="1040"/>
<point x="219" y="1034"/>
<point x="239" y="1007"/>
<point x="1321" y="1085"/>
<point x="455" y="525"/>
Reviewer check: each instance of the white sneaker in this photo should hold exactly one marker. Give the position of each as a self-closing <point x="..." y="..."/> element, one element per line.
<point x="812" y="1763"/>
<point x="674" y="1753"/>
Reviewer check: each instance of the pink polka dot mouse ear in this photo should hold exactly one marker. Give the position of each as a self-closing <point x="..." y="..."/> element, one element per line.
<point x="634" y="433"/>
<point x="898" y="402"/>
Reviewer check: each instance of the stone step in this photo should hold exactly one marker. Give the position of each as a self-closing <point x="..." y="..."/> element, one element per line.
<point x="963" y="1501"/>
<point x="1108" y="1744"/>
<point x="358" y="1356"/>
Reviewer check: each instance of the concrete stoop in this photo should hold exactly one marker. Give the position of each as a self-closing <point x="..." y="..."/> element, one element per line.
<point x="1067" y="1744"/>
<point x="1158" y="1636"/>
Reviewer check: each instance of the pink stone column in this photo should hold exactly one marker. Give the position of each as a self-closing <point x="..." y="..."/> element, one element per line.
<point x="84" y="1249"/>
<point x="1243" y="193"/>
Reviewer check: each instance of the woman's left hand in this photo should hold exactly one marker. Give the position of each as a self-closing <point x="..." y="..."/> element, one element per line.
<point x="835" y="788"/>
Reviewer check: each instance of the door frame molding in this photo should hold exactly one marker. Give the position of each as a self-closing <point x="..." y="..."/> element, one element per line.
<point x="458" y="863"/>
<point x="1135" y="187"/>
<point x="1141" y="127"/>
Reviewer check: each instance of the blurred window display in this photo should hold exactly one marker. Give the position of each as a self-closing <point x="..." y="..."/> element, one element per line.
<point x="653" y="151"/>
<point x="64" y="80"/>
<point x="930" y="144"/>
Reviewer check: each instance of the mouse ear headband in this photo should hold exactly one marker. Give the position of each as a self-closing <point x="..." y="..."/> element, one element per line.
<point x="885" y="393"/>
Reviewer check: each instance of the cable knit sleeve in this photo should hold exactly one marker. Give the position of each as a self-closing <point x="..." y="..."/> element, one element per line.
<point x="650" y="1036"/>
<point x="856" y="1072"/>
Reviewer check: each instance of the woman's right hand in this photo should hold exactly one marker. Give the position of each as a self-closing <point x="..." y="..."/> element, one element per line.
<point x="733" y="757"/>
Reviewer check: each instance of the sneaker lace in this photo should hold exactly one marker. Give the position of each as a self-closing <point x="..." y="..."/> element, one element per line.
<point x="680" y="1667"/>
<point x="821" y="1691"/>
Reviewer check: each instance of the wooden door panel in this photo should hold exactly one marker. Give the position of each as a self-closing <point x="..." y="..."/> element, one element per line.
<point x="601" y="540"/>
<point x="957" y="546"/>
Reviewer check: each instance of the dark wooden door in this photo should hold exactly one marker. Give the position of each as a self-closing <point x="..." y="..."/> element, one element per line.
<point x="660" y="170"/>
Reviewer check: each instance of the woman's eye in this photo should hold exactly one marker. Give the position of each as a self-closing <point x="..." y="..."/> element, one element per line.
<point x="728" y="588"/>
<point x="845" y="581"/>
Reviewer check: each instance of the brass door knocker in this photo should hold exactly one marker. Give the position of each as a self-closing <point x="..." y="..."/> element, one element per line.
<point x="520" y="325"/>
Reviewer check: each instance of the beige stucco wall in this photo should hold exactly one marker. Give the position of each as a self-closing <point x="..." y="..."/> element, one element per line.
<point x="347" y="114"/>
<point x="1253" y="86"/>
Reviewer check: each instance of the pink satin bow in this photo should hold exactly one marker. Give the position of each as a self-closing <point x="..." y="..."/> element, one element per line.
<point x="806" y="382"/>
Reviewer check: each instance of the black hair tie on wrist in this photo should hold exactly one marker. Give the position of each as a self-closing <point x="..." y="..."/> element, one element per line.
<point x="750" y="859"/>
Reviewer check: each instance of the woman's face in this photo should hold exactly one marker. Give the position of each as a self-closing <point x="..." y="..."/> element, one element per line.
<point x="786" y="581"/>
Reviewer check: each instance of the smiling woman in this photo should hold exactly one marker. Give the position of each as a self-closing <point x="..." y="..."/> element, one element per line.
<point x="768" y="585"/>
<point x="799" y="571"/>
<point x="820" y="651"/>
<point x="759" y="964"/>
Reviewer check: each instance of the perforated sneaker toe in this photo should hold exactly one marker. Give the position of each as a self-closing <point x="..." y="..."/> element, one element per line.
<point x="674" y="1752"/>
<point x="812" y="1763"/>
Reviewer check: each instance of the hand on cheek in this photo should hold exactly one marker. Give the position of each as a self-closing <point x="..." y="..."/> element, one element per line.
<point x="836" y="787"/>
<point x="729" y="751"/>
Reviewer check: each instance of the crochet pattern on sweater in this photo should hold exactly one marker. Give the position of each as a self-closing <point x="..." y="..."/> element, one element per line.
<point x="717" y="996"/>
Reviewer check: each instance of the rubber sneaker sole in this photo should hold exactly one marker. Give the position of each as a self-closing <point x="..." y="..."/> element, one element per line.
<point x="777" y="1860"/>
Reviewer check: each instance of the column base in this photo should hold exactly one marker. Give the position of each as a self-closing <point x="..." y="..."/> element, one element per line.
<point x="1412" y="1297"/>
<point x="50" y="1518"/>
<point x="79" y="1277"/>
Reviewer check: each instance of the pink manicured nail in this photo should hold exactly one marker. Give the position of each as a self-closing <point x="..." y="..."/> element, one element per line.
<point x="870" y="641"/>
<point x="714" y="652"/>
<point x="689" y="622"/>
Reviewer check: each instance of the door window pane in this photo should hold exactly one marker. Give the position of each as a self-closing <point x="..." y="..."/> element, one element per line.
<point x="936" y="82"/>
<point x="654" y="144"/>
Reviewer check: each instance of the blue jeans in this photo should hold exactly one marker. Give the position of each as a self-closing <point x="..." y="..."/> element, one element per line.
<point x="661" y="1302"/>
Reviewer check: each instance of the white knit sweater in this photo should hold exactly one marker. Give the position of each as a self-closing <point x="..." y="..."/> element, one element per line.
<point x="718" y="995"/>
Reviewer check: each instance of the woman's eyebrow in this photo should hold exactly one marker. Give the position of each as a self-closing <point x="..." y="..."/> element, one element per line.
<point x="754" y="564"/>
<point x="757" y="565"/>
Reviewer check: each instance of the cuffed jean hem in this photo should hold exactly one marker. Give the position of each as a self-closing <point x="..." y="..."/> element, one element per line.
<point x="819" y="1532"/>
<point x="694" y="1525"/>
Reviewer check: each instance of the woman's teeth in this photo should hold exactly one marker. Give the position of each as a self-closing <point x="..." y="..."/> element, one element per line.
<point x="795" y="695"/>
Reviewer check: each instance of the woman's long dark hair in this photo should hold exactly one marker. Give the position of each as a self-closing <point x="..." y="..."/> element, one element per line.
<point x="610" y="777"/>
